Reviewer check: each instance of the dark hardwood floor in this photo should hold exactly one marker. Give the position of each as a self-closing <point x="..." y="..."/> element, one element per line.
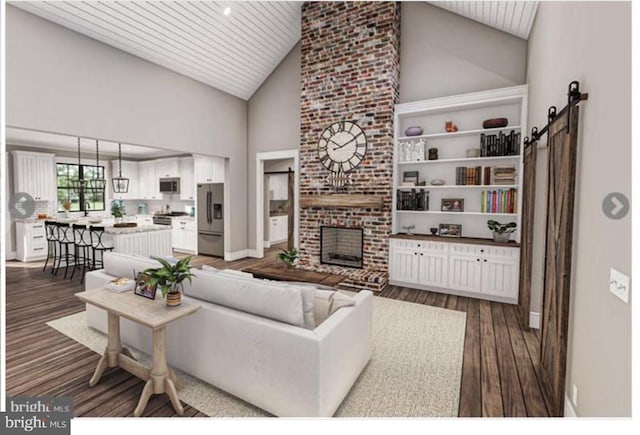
<point x="500" y="375"/>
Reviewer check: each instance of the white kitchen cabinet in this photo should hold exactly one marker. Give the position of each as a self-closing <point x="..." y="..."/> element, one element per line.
<point x="31" y="241"/>
<point x="278" y="228"/>
<point x="35" y="174"/>
<point x="167" y="168"/>
<point x="130" y="171"/>
<point x="183" y="234"/>
<point x="278" y="187"/>
<point x="187" y="179"/>
<point x="482" y="271"/>
<point x="209" y="169"/>
<point x="149" y="181"/>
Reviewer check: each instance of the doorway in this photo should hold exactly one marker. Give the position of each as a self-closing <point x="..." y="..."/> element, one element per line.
<point x="277" y="207"/>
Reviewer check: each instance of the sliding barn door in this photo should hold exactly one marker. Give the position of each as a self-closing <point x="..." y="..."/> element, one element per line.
<point x="526" y="238"/>
<point x="562" y="150"/>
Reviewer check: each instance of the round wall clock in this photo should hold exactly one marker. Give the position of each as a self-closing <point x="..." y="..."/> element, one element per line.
<point x="342" y="146"/>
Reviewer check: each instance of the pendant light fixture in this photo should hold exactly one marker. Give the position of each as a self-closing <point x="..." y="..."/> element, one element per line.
<point x="79" y="185"/>
<point x="97" y="184"/>
<point x="120" y="183"/>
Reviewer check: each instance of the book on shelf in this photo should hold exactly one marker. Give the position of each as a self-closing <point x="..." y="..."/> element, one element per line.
<point x="486" y="175"/>
<point x="505" y="174"/>
<point x="499" y="201"/>
<point x="414" y="199"/>
<point x="500" y="145"/>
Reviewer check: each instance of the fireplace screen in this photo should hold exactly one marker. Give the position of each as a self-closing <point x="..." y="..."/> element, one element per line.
<point x="341" y="246"/>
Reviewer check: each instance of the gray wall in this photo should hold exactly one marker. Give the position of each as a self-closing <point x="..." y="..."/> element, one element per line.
<point x="63" y="82"/>
<point x="274" y="122"/>
<point x="442" y="54"/>
<point x="590" y="42"/>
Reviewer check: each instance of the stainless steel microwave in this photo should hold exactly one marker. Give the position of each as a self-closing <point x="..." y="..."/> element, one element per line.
<point x="169" y="185"/>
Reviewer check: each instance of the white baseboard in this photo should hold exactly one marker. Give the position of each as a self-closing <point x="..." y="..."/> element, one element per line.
<point x="534" y="320"/>
<point x="11" y="255"/>
<point x="253" y="253"/>
<point x="237" y="255"/>
<point x="266" y="244"/>
<point x="569" y="410"/>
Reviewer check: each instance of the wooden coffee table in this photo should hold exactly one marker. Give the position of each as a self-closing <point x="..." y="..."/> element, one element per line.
<point x="279" y="272"/>
<point x="152" y="313"/>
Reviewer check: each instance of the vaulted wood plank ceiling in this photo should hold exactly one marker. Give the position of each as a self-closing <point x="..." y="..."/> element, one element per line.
<point x="514" y="17"/>
<point x="234" y="53"/>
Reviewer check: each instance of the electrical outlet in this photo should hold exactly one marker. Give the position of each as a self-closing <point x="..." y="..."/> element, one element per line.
<point x="619" y="285"/>
<point x="574" y="395"/>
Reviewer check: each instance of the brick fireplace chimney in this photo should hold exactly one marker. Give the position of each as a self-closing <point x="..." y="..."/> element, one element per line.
<point x="349" y="72"/>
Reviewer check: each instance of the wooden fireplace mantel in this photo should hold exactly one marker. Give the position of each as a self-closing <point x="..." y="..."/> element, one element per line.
<point x="339" y="200"/>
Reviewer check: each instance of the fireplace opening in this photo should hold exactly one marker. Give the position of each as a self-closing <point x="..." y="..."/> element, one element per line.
<point x="341" y="246"/>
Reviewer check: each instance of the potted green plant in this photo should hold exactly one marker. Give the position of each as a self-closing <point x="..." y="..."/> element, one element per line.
<point x="170" y="277"/>
<point x="117" y="210"/>
<point x="66" y="206"/>
<point x="501" y="232"/>
<point x="289" y="257"/>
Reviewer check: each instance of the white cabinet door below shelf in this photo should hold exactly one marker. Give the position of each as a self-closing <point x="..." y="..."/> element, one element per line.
<point x="500" y="275"/>
<point x="433" y="268"/>
<point x="403" y="266"/>
<point x="465" y="273"/>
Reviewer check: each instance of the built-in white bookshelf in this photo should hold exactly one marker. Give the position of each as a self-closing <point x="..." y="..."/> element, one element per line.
<point x="467" y="112"/>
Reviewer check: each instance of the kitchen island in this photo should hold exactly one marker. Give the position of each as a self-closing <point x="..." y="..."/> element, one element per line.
<point x="145" y="240"/>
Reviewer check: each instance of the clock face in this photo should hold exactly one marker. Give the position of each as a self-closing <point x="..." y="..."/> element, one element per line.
<point x="342" y="146"/>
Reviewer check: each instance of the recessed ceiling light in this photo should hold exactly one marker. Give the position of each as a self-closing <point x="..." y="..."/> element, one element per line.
<point x="227" y="11"/>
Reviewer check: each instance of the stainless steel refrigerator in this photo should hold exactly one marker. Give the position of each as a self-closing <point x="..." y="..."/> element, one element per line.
<point x="211" y="219"/>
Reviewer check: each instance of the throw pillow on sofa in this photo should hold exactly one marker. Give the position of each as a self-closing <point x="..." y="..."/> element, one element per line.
<point x="327" y="302"/>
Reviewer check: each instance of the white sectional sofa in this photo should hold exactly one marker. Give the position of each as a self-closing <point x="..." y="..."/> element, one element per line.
<point x="256" y="339"/>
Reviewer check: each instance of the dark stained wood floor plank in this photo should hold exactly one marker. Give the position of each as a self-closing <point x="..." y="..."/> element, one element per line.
<point x="452" y="302"/>
<point x="440" y="300"/>
<point x="470" y="385"/>
<point x="462" y="304"/>
<point x="413" y="295"/>
<point x="531" y="389"/>
<point x="422" y="297"/>
<point x="490" y="374"/>
<point x="512" y="397"/>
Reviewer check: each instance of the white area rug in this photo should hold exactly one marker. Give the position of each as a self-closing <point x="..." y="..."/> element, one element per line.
<point x="415" y="370"/>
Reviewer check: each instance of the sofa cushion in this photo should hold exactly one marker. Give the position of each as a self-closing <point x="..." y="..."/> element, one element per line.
<point x="264" y="299"/>
<point x="327" y="302"/>
<point x="308" y="291"/>
<point x="126" y="265"/>
<point x="208" y="268"/>
<point x="236" y="273"/>
<point x="308" y="302"/>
